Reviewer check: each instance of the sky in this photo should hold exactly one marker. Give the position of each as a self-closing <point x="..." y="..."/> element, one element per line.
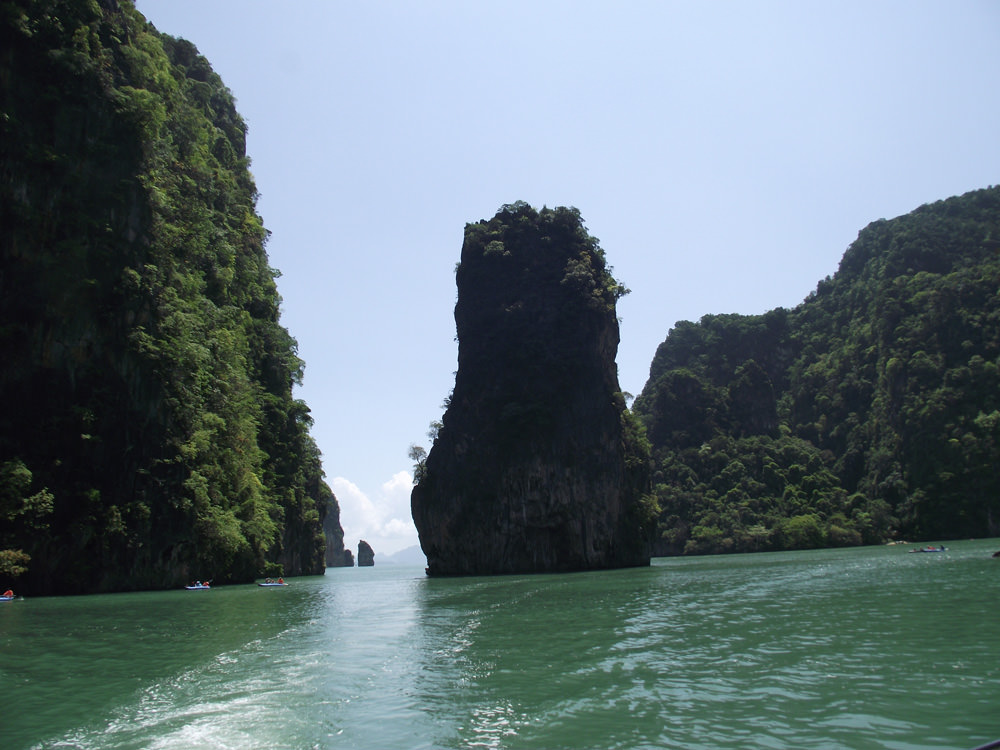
<point x="725" y="154"/>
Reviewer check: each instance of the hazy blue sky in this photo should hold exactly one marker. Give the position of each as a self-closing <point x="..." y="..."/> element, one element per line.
<point x="724" y="153"/>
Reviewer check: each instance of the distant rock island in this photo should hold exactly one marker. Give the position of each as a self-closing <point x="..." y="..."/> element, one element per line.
<point x="537" y="465"/>
<point x="366" y="555"/>
<point x="408" y="556"/>
<point x="336" y="555"/>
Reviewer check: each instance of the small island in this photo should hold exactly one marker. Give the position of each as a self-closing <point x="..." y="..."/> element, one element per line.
<point x="366" y="555"/>
<point x="537" y="465"/>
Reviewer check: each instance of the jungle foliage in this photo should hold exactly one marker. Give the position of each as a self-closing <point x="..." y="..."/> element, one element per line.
<point x="148" y="434"/>
<point x="869" y="412"/>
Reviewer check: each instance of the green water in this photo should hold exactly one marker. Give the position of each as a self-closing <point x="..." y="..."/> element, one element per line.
<point x="861" y="648"/>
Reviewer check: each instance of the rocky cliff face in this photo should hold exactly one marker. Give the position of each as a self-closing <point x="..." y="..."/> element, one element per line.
<point x="149" y="434"/>
<point x="534" y="468"/>
<point x="336" y="556"/>
<point x="366" y="555"/>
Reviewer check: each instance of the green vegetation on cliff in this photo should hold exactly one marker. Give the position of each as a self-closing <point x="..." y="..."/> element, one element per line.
<point x="148" y="433"/>
<point x="870" y="411"/>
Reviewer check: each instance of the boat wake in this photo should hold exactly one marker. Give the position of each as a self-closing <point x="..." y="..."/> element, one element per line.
<point x="240" y="699"/>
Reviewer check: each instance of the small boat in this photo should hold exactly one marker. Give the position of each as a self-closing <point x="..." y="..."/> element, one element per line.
<point x="930" y="549"/>
<point x="270" y="583"/>
<point x="198" y="586"/>
<point x="7" y="598"/>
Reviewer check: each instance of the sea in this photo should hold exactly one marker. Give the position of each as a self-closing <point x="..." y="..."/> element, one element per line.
<point x="872" y="647"/>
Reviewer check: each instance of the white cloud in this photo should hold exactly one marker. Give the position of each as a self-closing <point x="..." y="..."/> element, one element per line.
<point x="383" y="521"/>
<point x="400" y="484"/>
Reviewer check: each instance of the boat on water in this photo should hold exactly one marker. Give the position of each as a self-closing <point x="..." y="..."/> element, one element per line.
<point x="931" y="548"/>
<point x="199" y="586"/>
<point x="268" y="583"/>
<point x="6" y="598"/>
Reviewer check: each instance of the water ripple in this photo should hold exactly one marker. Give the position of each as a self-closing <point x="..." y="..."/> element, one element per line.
<point x="834" y="650"/>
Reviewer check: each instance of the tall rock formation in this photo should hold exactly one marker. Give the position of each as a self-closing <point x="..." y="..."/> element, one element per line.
<point x="336" y="555"/>
<point x="537" y="465"/>
<point x="149" y="434"/>
<point x="366" y="555"/>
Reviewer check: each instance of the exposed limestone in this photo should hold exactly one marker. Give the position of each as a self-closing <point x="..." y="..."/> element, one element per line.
<point x="336" y="555"/>
<point x="535" y="467"/>
<point x="366" y="555"/>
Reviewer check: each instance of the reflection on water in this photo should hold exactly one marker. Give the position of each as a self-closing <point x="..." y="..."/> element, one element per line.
<point x="869" y="648"/>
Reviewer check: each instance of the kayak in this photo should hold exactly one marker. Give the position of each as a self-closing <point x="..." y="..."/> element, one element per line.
<point x="6" y="598"/>
<point x="199" y="587"/>
<point x="266" y="585"/>
<point x="929" y="549"/>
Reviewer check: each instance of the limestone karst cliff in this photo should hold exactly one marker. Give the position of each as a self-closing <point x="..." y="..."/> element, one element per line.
<point x="149" y="434"/>
<point x="336" y="555"/>
<point x="537" y="465"/>
<point x="366" y="555"/>
<point x="869" y="412"/>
